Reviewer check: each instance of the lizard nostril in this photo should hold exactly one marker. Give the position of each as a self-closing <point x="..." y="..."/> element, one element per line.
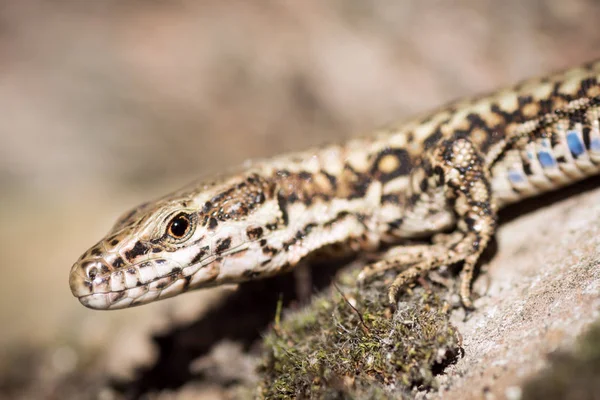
<point x="92" y="272"/>
<point x="94" y="268"/>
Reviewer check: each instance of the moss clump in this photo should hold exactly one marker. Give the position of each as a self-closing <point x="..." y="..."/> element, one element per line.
<point x="574" y="375"/>
<point x="348" y="344"/>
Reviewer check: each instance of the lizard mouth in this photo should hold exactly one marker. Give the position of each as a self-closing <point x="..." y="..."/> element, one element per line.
<point x="100" y="286"/>
<point x="135" y="285"/>
<point x="161" y="288"/>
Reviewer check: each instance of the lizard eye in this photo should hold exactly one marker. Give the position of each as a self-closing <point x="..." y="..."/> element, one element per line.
<point x="179" y="226"/>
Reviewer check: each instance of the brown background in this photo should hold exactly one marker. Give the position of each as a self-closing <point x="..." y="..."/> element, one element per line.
<point x="104" y="104"/>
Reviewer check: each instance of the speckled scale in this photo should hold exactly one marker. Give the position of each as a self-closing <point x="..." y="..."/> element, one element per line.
<point x="449" y="170"/>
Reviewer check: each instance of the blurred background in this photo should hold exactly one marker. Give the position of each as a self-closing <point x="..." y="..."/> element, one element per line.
<point x="104" y="104"/>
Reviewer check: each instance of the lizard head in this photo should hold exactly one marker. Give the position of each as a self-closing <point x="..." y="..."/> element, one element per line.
<point x="191" y="239"/>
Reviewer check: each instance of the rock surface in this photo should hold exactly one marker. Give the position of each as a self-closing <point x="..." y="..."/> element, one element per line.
<point x="544" y="291"/>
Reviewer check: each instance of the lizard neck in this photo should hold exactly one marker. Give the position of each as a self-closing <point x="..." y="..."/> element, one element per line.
<point x="358" y="194"/>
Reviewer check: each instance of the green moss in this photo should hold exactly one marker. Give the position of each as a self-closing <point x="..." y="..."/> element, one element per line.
<point x="573" y="375"/>
<point x="348" y="344"/>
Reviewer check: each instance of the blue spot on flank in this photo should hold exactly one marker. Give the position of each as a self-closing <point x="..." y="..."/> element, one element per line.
<point x="575" y="145"/>
<point x="516" y="176"/>
<point x="546" y="159"/>
<point x="595" y="144"/>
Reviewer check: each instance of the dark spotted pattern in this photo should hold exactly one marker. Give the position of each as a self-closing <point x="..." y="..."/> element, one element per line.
<point x="299" y="236"/>
<point x="282" y="203"/>
<point x="272" y="226"/>
<point x="186" y="283"/>
<point x="223" y="245"/>
<point x="353" y="184"/>
<point x="340" y="216"/>
<point x="270" y="251"/>
<point x="118" y="262"/>
<point x="238" y="201"/>
<point x="304" y="187"/>
<point x="398" y="160"/>
<point x="254" y="233"/>
<point x="200" y="255"/>
<point x="212" y="223"/>
<point x="139" y="249"/>
<point x="491" y="129"/>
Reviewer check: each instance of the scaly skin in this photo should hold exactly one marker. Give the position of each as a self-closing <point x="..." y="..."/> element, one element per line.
<point x="448" y="170"/>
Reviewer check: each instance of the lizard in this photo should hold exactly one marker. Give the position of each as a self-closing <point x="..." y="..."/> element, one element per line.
<point x="438" y="179"/>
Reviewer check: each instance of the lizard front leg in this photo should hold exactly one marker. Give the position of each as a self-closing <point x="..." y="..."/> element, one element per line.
<point x="462" y="175"/>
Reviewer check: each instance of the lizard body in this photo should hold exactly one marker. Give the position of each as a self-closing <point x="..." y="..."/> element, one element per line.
<point x="446" y="171"/>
